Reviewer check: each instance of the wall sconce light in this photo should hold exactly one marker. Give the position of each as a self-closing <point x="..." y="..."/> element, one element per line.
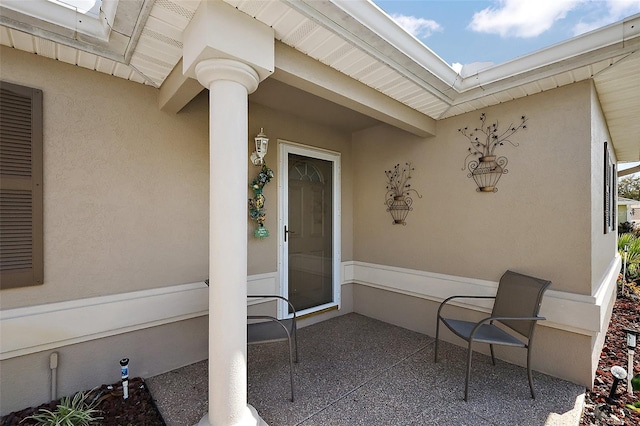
<point x="486" y="168"/>
<point x="262" y="143"/>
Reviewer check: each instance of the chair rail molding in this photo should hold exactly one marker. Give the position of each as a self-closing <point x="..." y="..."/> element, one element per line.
<point x="576" y="313"/>
<point x="44" y="327"/>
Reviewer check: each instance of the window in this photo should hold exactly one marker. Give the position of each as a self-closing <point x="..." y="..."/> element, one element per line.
<point x="610" y="191"/>
<point x="21" y="245"/>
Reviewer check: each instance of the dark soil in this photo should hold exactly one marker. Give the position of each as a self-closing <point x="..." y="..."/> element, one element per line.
<point x="137" y="410"/>
<point x="626" y="314"/>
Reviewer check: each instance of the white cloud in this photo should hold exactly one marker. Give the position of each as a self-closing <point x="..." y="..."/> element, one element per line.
<point x="521" y="18"/>
<point x="623" y="8"/>
<point x="615" y="11"/>
<point x="418" y="27"/>
<point x="457" y="67"/>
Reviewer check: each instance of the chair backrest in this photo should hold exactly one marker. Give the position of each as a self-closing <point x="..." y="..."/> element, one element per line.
<point x="519" y="296"/>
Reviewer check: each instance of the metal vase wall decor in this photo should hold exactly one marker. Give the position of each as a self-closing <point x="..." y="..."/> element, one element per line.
<point x="398" y="190"/>
<point x="484" y="165"/>
<point x="256" y="204"/>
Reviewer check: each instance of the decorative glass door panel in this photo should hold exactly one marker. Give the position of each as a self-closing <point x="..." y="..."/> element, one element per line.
<point x="308" y="232"/>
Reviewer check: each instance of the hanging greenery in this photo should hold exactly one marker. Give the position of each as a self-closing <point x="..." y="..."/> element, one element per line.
<point x="256" y="204"/>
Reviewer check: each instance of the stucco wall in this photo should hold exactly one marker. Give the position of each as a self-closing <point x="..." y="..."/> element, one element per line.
<point x="125" y="185"/>
<point x="26" y="380"/>
<point x="602" y="244"/>
<point x="528" y="225"/>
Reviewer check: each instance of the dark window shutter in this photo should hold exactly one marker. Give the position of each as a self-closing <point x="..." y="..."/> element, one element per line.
<point x="21" y="233"/>
<point x="610" y="192"/>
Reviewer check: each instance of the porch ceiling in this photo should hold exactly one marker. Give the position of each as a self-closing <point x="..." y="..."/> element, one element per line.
<point x="360" y="41"/>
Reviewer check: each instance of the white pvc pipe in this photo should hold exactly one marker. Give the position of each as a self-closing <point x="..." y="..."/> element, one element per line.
<point x="53" y="365"/>
<point x="630" y="372"/>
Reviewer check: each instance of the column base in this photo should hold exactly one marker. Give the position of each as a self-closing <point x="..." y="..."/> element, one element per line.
<point x="253" y="419"/>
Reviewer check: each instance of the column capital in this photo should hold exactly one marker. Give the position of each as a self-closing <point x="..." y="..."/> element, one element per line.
<point x="210" y="70"/>
<point x="220" y="31"/>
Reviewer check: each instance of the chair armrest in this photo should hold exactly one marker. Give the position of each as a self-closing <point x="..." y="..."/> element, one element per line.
<point x="491" y="319"/>
<point x="515" y="318"/>
<point x="275" y="296"/>
<point x="445" y="301"/>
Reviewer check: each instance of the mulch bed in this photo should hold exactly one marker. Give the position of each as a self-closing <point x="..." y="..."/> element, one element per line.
<point x="137" y="410"/>
<point x="626" y="314"/>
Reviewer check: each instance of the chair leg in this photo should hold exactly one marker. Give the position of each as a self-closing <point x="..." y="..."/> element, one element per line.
<point x="533" y="394"/>
<point x="493" y="357"/>
<point x="468" y="376"/>
<point x="291" y="368"/>
<point x="435" y="356"/>
<point x="295" y="340"/>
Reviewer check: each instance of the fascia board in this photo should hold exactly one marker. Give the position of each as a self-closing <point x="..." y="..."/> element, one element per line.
<point x="385" y="27"/>
<point x="303" y="72"/>
<point x="365" y="26"/>
<point x="65" y="17"/>
<point x="612" y="40"/>
<point x="128" y="18"/>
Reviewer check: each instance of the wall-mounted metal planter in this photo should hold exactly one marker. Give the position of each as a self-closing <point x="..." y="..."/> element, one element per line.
<point x="484" y="165"/>
<point x="397" y="197"/>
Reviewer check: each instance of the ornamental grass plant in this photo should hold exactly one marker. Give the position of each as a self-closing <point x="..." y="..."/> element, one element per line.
<point x="70" y="412"/>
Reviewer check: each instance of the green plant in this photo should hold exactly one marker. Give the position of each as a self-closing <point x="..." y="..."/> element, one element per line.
<point x="633" y="248"/>
<point x="632" y="279"/>
<point x="70" y="412"/>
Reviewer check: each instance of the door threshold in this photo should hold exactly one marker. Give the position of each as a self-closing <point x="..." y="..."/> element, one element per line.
<point x="321" y="311"/>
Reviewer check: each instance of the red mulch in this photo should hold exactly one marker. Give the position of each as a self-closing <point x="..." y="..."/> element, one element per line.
<point x="626" y="314"/>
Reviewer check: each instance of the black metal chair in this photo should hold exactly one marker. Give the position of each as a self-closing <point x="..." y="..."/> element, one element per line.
<point x="266" y="329"/>
<point x="516" y="306"/>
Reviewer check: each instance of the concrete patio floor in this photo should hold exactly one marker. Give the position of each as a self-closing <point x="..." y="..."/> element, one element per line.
<point x="355" y="370"/>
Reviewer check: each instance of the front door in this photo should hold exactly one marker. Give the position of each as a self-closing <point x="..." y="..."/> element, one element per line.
<point x="309" y="224"/>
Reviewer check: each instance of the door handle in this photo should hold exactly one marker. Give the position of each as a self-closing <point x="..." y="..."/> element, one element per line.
<point x="287" y="232"/>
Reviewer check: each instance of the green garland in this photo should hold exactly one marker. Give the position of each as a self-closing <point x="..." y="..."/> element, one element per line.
<point x="256" y="204"/>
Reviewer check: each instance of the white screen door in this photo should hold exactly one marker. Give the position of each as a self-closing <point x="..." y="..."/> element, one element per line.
<point x="309" y="228"/>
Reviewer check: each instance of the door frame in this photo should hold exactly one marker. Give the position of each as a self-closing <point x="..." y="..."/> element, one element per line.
<point x="284" y="149"/>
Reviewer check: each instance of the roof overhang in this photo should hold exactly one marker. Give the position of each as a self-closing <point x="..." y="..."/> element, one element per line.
<point x="113" y="34"/>
<point x="362" y="43"/>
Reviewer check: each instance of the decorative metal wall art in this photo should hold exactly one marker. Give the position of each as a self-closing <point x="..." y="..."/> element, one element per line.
<point x="397" y="197"/>
<point x="256" y="204"/>
<point x="485" y="167"/>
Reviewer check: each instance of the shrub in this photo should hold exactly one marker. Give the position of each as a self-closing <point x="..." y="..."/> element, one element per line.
<point x="70" y="412"/>
<point x="632" y="255"/>
<point x="626" y="228"/>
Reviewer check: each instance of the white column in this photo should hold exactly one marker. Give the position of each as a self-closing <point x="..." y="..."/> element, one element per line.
<point x="229" y="83"/>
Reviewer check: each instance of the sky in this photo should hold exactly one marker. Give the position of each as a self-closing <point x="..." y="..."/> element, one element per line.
<point x="467" y="31"/>
<point x="90" y="7"/>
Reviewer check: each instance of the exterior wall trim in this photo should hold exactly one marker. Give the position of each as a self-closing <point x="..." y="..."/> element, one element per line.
<point x="33" y="329"/>
<point x="44" y="327"/>
<point x="575" y="313"/>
